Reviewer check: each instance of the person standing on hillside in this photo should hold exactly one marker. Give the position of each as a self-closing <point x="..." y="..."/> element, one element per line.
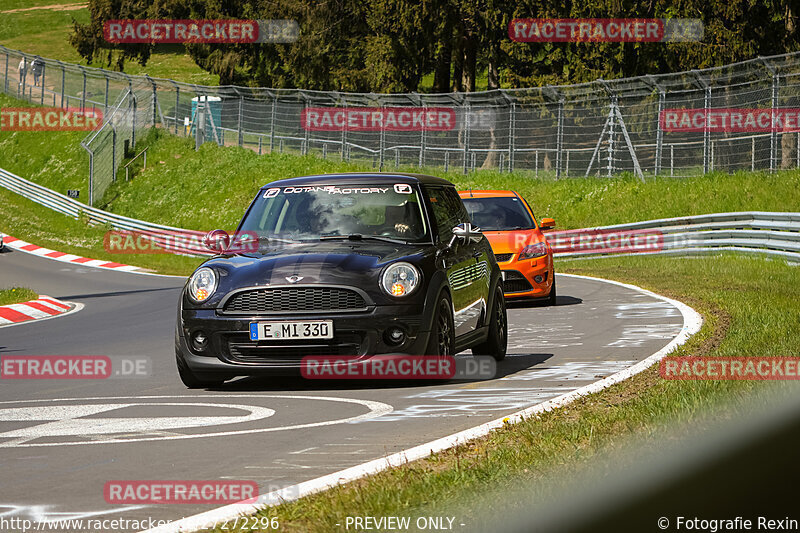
<point x="38" y="69"/>
<point x="22" y="70"/>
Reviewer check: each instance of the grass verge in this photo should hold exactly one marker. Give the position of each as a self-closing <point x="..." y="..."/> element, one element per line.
<point x="212" y="187"/>
<point x="45" y="31"/>
<point x="37" y="224"/>
<point x="16" y="295"/>
<point x="727" y="290"/>
<point x="54" y="159"/>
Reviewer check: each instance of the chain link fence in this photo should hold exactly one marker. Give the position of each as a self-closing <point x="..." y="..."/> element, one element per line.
<point x="600" y="128"/>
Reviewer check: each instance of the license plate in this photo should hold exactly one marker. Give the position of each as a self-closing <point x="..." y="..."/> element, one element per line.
<point x="300" y="329"/>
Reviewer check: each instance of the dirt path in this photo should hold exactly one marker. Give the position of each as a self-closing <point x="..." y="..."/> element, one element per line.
<point x="54" y="7"/>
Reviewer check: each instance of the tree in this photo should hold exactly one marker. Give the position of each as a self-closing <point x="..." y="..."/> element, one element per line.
<point x="88" y="39"/>
<point x="392" y="45"/>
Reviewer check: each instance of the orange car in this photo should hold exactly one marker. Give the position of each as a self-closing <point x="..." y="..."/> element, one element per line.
<point x="521" y="249"/>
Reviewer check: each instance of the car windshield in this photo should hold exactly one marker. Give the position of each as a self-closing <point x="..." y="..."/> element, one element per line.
<point x="503" y="213"/>
<point x="389" y="212"/>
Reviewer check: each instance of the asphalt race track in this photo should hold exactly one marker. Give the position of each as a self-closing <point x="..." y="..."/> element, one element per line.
<point x="61" y="440"/>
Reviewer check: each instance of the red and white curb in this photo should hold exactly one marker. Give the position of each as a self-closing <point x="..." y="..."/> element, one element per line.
<point x="40" y="309"/>
<point x="18" y="244"/>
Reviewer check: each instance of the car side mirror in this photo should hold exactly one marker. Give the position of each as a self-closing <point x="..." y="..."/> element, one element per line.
<point x="217" y="240"/>
<point x="547" y="223"/>
<point x="465" y="232"/>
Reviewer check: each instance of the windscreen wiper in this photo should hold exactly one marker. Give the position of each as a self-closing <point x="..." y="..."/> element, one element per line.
<point x="276" y="239"/>
<point x="360" y="237"/>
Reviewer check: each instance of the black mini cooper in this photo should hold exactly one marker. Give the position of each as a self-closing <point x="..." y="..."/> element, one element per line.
<point x="341" y="264"/>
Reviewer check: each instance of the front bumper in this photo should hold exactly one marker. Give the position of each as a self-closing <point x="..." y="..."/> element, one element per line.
<point x="229" y="350"/>
<point x="519" y="282"/>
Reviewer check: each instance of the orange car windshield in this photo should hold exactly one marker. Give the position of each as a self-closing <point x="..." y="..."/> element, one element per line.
<point x="499" y="213"/>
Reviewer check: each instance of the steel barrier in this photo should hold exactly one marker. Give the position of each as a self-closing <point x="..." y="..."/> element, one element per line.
<point x="162" y="235"/>
<point x="759" y="232"/>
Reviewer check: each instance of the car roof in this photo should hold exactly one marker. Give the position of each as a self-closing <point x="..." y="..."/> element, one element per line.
<point x="473" y="193"/>
<point x="365" y="177"/>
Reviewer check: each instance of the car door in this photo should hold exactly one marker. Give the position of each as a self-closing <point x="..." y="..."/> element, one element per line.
<point x="480" y="273"/>
<point x="460" y="260"/>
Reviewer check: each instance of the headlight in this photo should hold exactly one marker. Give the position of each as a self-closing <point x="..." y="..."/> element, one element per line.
<point x="202" y="284"/>
<point x="533" y="250"/>
<point x="400" y="279"/>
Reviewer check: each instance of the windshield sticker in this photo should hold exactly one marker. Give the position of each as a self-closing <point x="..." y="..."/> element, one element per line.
<point x="330" y="189"/>
<point x="402" y="188"/>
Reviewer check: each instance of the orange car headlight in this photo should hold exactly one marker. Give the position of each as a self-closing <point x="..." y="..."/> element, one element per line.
<point x="202" y="284"/>
<point x="533" y="250"/>
<point x="400" y="279"/>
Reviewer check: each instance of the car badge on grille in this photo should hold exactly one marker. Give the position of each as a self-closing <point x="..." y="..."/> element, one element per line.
<point x="293" y="279"/>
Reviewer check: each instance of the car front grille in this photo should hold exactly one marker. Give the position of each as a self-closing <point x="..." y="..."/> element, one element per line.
<point x="294" y="299"/>
<point x="515" y="282"/>
<point x="242" y="350"/>
<point x="502" y="258"/>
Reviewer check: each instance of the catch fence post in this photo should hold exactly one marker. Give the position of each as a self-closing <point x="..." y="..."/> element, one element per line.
<point x="466" y="136"/>
<point x="659" y="132"/>
<point x="241" y="110"/>
<point x="272" y="123"/>
<point x="512" y="120"/>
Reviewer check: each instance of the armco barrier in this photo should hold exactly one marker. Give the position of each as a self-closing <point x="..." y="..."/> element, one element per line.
<point x="758" y="232"/>
<point x="161" y="235"/>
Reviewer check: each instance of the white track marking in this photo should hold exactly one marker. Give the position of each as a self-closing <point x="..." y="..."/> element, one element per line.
<point x="479" y="401"/>
<point x="67" y="420"/>
<point x="645" y="310"/>
<point x="571" y="371"/>
<point x="556" y="335"/>
<point x="634" y="336"/>
<point x="41" y="513"/>
<point x="375" y="409"/>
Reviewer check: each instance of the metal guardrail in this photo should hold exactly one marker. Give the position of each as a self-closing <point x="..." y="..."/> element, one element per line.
<point x="756" y="232"/>
<point x="753" y="232"/>
<point x="164" y="236"/>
